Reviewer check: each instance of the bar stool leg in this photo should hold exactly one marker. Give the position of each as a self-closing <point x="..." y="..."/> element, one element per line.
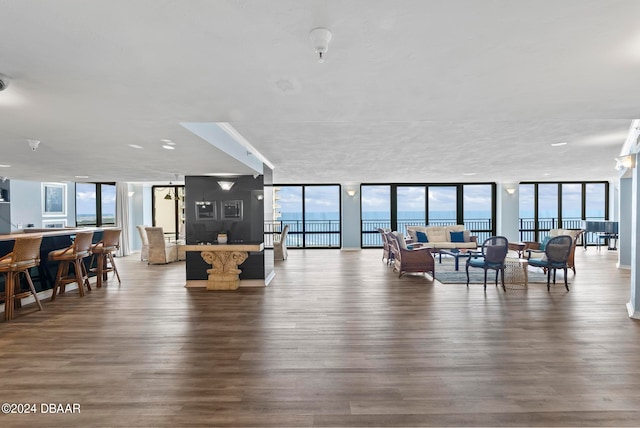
<point x="57" y="283"/>
<point x="79" y="279"/>
<point x="33" y="289"/>
<point x="8" y="300"/>
<point x="113" y="266"/>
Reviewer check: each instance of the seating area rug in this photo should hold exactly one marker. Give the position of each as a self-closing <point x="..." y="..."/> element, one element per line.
<point x="446" y="274"/>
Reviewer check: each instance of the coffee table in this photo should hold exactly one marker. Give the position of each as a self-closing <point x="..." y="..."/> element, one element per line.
<point x="456" y="254"/>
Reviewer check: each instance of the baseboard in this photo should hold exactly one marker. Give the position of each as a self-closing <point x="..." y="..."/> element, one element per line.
<point x="623" y="267"/>
<point x="350" y="249"/>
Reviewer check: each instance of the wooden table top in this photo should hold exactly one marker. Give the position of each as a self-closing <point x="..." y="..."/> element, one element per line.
<point x="244" y="246"/>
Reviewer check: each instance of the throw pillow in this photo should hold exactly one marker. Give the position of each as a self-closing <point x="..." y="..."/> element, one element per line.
<point x="422" y="237"/>
<point x="544" y="242"/>
<point x="457" y="236"/>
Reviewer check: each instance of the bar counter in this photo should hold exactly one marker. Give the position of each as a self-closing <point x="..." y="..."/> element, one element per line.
<point x="51" y="240"/>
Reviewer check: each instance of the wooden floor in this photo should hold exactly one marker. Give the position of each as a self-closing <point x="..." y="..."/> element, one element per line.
<point x="335" y="340"/>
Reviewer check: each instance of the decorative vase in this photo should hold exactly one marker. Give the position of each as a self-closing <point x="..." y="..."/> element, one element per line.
<point x="222" y="238"/>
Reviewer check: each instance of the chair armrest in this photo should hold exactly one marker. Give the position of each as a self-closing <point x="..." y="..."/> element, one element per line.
<point x="419" y="254"/>
<point x="530" y="245"/>
<point x="529" y="251"/>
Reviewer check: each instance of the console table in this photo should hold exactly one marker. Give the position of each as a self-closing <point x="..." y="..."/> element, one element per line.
<point x="224" y="259"/>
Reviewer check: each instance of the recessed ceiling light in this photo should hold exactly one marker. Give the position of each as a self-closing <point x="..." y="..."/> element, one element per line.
<point x="562" y="143"/>
<point x="168" y="147"/>
<point x="135" y="146"/>
<point x="165" y="140"/>
<point x="546" y="173"/>
<point x="469" y="173"/>
<point x="5" y="166"/>
<point x="82" y="176"/>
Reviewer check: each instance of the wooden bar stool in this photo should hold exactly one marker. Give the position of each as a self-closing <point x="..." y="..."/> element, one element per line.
<point x="72" y="255"/>
<point x="103" y="254"/>
<point x="25" y="255"/>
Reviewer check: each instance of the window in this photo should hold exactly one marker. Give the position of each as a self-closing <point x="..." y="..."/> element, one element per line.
<point x="375" y="205"/>
<point x="411" y="206"/>
<point x="545" y="206"/>
<point x="312" y="213"/>
<point x="478" y="209"/>
<point x="95" y="204"/>
<point x="398" y="206"/>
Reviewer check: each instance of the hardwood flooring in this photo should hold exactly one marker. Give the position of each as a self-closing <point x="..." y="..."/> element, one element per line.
<point x="335" y="340"/>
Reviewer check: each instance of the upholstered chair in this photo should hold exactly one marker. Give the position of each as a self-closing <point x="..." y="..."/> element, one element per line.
<point x="160" y="251"/>
<point x="144" y="251"/>
<point x="406" y="260"/>
<point x="280" y="244"/>
<point x="492" y="256"/>
<point x="556" y="256"/>
<point x="575" y="234"/>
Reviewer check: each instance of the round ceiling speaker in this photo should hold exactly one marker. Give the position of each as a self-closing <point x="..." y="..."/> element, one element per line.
<point x="4" y="82"/>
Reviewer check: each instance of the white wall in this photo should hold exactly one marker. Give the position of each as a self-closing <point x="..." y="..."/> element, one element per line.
<point x="350" y="218"/>
<point x="26" y="204"/>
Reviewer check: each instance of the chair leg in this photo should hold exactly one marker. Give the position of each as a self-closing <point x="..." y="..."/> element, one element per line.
<point x="85" y="275"/>
<point x="466" y="269"/>
<point x="8" y="296"/>
<point x="33" y="289"/>
<point x="79" y="279"/>
<point x="502" y="276"/>
<point x="548" y="279"/>
<point x="56" y="283"/>
<point x="566" y="284"/>
<point x="485" y="280"/>
<point x="113" y="266"/>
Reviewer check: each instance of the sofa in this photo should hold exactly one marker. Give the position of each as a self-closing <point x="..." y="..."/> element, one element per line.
<point x="442" y="237"/>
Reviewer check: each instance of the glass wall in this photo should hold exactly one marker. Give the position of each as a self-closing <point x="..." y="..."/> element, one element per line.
<point x="396" y="206"/>
<point x="312" y="213"/>
<point x="545" y="206"/>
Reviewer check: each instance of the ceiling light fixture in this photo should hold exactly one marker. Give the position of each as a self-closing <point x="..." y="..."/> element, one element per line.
<point x="561" y="143"/>
<point x="135" y="146"/>
<point x="625" y="162"/>
<point x="168" y="147"/>
<point x="226" y="185"/>
<point x="5" y="166"/>
<point x="320" y="38"/>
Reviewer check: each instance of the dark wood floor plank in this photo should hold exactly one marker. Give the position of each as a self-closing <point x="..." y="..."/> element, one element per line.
<point x="337" y="339"/>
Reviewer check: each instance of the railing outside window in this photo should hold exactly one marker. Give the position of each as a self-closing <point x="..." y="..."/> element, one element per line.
<point x="311" y="233"/>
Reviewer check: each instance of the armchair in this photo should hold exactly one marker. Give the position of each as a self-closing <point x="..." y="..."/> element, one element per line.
<point x="387" y="254"/>
<point x="407" y="260"/>
<point x="494" y="251"/>
<point x="160" y="251"/>
<point x="540" y="246"/>
<point x="280" y="244"/>
<point x="144" y="251"/>
<point x="556" y="256"/>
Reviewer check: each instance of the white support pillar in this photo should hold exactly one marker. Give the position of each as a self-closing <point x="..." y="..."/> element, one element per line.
<point x="633" y="306"/>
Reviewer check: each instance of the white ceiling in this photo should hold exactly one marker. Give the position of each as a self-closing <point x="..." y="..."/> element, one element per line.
<point x="411" y="91"/>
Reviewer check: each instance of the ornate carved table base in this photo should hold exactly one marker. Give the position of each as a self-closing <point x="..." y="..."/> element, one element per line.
<point x="224" y="260"/>
<point x="225" y="274"/>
